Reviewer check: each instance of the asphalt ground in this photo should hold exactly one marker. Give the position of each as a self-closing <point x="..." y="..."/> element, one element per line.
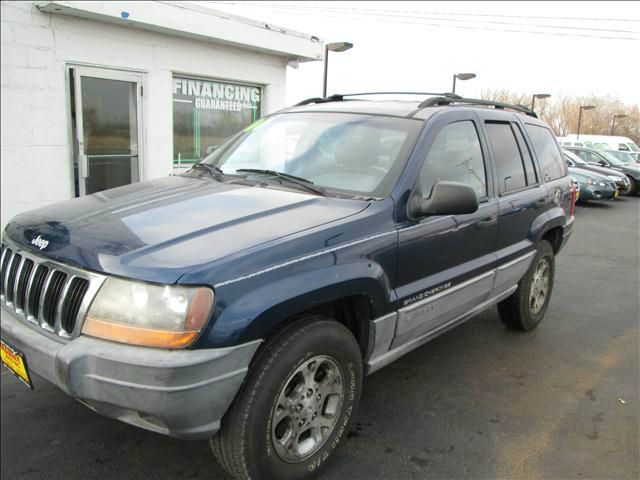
<point x="481" y="401"/>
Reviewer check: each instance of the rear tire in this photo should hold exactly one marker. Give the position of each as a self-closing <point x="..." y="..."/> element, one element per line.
<point x="526" y="307"/>
<point x="297" y="403"/>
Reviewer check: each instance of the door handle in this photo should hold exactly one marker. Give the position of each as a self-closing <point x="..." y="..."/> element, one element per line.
<point x="487" y="222"/>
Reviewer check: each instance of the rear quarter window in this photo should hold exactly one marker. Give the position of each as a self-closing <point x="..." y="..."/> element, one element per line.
<point x="547" y="151"/>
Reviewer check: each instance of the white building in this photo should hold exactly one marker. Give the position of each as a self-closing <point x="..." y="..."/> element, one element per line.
<point x="101" y="94"/>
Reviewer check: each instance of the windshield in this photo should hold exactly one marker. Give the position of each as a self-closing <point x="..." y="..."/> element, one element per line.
<point x="611" y="159"/>
<point x="574" y="158"/>
<point x="624" y="156"/>
<point x="360" y="155"/>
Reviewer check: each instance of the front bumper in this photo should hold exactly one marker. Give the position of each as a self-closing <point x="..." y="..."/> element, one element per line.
<point x="624" y="186"/>
<point x="596" y="192"/>
<point x="181" y="393"/>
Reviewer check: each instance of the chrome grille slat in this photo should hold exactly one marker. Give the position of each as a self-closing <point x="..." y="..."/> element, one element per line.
<point x="6" y="256"/>
<point x="10" y="282"/>
<point x="50" y="296"/>
<point x="61" y="300"/>
<point x="35" y="293"/>
<point x="21" y="283"/>
<point x="72" y="302"/>
<point x="28" y="289"/>
<point x="45" y="288"/>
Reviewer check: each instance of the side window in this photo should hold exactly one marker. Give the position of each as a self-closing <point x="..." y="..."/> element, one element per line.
<point x="622" y="146"/>
<point x="529" y="169"/>
<point x="547" y="151"/>
<point x="583" y="155"/>
<point x="455" y="156"/>
<point x="507" y="155"/>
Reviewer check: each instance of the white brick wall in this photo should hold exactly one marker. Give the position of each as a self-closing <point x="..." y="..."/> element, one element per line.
<point x="36" y="163"/>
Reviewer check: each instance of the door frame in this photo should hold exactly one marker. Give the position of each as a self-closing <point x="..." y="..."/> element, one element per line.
<point x="76" y="135"/>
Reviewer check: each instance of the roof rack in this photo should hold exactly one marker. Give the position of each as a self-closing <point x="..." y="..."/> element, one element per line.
<point x="338" y="97"/>
<point x="447" y="100"/>
<point x="437" y="99"/>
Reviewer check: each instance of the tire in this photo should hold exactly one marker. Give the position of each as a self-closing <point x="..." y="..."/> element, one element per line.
<point x="521" y="311"/>
<point x="633" y="188"/>
<point x="255" y="429"/>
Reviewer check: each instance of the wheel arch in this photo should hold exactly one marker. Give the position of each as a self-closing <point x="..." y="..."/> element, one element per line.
<point x="352" y="293"/>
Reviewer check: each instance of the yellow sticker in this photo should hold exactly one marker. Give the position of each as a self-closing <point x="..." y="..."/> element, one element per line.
<point x="15" y="363"/>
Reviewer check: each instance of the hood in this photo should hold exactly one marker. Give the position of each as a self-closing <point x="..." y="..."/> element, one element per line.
<point x="158" y="230"/>
<point x="600" y="170"/>
<point x="630" y="169"/>
<point x="588" y="172"/>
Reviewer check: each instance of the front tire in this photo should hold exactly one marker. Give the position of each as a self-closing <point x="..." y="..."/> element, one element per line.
<point x="526" y="307"/>
<point x="296" y="406"/>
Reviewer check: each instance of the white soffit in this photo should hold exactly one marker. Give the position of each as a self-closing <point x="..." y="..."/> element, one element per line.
<point x="193" y="21"/>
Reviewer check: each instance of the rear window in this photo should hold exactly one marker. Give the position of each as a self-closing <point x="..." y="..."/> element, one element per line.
<point x="511" y="172"/>
<point x="547" y="151"/>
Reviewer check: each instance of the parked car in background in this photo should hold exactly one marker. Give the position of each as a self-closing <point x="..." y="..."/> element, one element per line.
<point x="604" y="159"/>
<point x="621" y="180"/>
<point x="593" y="186"/>
<point x="602" y="142"/>
<point x="626" y="157"/>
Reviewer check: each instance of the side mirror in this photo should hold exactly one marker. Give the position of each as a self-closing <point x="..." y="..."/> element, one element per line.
<point x="602" y="163"/>
<point x="447" y="198"/>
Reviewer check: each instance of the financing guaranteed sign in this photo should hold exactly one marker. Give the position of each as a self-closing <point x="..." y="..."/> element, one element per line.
<point x="210" y="95"/>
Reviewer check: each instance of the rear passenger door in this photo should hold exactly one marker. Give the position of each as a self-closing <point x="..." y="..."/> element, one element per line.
<point x="522" y="196"/>
<point x="445" y="261"/>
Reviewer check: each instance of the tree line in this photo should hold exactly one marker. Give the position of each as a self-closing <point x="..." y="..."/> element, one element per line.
<point x="562" y="112"/>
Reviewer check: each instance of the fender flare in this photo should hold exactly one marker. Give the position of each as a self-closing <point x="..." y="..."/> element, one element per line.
<point x="556" y="217"/>
<point x="256" y="312"/>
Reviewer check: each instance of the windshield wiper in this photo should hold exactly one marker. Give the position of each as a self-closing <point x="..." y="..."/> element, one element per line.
<point x="303" y="182"/>
<point x="212" y="169"/>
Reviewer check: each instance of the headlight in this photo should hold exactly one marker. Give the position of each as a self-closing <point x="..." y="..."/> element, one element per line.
<point x="167" y="316"/>
<point x="600" y="183"/>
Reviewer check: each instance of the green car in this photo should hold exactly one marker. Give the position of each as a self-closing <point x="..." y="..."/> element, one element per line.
<point x="593" y="186"/>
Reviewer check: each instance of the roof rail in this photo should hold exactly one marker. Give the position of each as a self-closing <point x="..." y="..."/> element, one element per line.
<point x="438" y="101"/>
<point x="338" y="97"/>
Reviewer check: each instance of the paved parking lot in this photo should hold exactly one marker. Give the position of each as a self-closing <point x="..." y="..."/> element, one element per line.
<point x="479" y="402"/>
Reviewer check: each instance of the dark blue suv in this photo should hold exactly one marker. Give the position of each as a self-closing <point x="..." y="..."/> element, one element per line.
<point x="244" y="300"/>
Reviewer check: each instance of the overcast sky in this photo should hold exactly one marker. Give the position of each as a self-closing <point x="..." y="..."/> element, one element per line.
<point x="584" y="47"/>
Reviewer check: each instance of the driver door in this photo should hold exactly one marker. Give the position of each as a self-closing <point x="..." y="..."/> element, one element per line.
<point x="445" y="262"/>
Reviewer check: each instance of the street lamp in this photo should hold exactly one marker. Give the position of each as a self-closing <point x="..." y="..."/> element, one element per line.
<point x="333" y="47"/>
<point x="582" y="107"/>
<point x="617" y="115"/>
<point x="540" y="96"/>
<point x="461" y="76"/>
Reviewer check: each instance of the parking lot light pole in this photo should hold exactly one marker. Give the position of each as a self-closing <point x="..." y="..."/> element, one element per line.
<point x="461" y="76"/>
<point x="582" y="107"/>
<point x="617" y="115"/>
<point x="540" y="96"/>
<point x="333" y="47"/>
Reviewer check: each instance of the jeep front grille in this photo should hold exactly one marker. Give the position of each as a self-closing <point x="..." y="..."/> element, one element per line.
<point x="51" y="295"/>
